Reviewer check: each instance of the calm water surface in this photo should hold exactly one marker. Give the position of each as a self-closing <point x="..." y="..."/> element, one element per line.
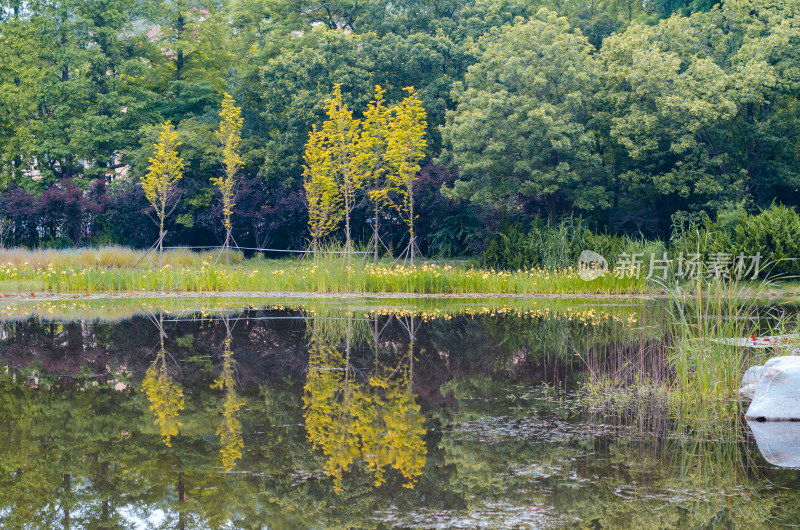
<point x="340" y="418"/>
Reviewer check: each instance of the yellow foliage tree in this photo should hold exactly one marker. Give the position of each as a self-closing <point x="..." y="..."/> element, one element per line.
<point x="393" y="430"/>
<point x="229" y="136"/>
<point x="405" y="149"/>
<point x="372" y="159"/>
<point x="166" y="169"/>
<point x="328" y="401"/>
<point x="340" y="137"/>
<point x="322" y="194"/>
<point x="164" y="395"/>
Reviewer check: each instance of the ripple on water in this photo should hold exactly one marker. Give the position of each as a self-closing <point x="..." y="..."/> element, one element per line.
<point x="506" y="428"/>
<point x="493" y="514"/>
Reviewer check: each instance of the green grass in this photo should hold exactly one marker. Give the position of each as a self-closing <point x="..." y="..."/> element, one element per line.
<point x="104" y="257"/>
<point x="22" y="286"/>
<point x="182" y="273"/>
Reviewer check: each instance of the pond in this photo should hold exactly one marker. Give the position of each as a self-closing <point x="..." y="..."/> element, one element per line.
<point x="354" y="413"/>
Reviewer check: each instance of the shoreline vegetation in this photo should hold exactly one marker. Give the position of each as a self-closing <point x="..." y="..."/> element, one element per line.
<point x="117" y="269"/>
<point x="121" y="271"/>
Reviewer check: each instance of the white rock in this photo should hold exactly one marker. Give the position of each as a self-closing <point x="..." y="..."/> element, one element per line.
<point x="778" y="441"/>
<point x="777" y="393"/>
<point x="749" y="381"/>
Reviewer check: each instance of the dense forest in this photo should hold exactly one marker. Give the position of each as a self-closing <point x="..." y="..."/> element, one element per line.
<point x="634" y="116"/>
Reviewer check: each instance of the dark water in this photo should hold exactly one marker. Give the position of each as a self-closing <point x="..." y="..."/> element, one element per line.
<point x="339" y="419"/>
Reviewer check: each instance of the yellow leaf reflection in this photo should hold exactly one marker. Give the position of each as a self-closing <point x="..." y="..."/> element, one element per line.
<point x="230" y="430"/>
<point x="165" y="396"/>
<point x="374" y="419"/>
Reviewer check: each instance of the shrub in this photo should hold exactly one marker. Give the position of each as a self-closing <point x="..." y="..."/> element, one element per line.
<point x="558" y="246"/>
<point x="774" y="233"/>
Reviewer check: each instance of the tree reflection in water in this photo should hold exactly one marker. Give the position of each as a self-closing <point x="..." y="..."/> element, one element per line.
<point x="163" y="393"/>
<point x="466" y="421"/>
<point x="354" y="415"/>
<point x="230" y="430"/>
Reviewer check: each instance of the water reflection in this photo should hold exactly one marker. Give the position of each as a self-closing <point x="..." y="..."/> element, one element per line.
<point x="778" y="441"/>
<point x="367" y="415"/>
<point x="230" y="428"/>
<point x="326" y="415"/>
<point x="163" y="393"/>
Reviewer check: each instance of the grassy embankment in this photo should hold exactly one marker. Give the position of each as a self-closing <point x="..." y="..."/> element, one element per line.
<point x="113" y="269"/>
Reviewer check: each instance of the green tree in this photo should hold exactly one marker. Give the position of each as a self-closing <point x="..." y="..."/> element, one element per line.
<point x="21" y="77"/>
<point x="695" y="119"/>
<point x="519" y="132"/>
<point x="93" y="95"/>
<point x="196" y="38"/>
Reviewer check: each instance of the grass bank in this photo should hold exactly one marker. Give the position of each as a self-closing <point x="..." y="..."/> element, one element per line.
<point x="114" y="270"/>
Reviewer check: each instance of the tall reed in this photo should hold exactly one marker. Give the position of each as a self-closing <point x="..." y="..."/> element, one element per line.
<point x="695" y="368"/>
<point x="707" y="361"/>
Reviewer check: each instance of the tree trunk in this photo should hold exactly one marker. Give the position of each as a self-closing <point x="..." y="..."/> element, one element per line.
<point x="179" y="60"/>
<point x="377" y="235"/>
<point x="228" y="245"/>
<point x="161" y="244"/>
<point x="412" y="243"/>
<point x="347" y="244"/>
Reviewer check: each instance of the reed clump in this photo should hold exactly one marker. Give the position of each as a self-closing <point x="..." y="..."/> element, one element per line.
<point x="695" y="370"/>
<point x="706" y="361"/>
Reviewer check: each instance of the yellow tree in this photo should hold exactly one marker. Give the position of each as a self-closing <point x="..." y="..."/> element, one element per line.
<point x="406" y="147"/>
<point x="322" y="195"/>
<point x="341" y="135"/>
<point x="229" y="136"/>
<point x="165" y="171"/>
<point x="372" y="159"/>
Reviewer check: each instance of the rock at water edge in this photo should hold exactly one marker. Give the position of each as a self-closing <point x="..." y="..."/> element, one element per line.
<point x="778" y="441"/>
<point x="777" y="392"/>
